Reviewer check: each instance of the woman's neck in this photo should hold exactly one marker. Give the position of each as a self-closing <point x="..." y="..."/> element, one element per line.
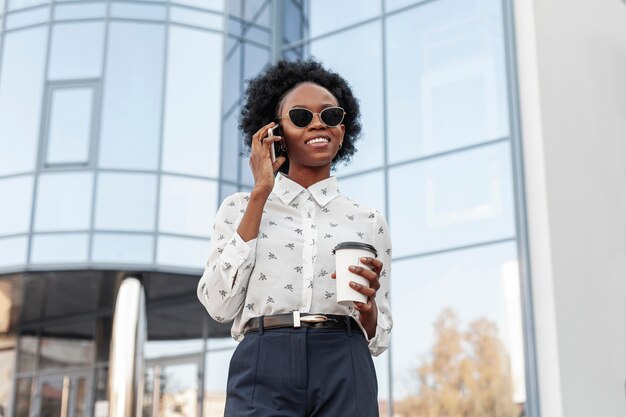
<point x="307" y="176"/>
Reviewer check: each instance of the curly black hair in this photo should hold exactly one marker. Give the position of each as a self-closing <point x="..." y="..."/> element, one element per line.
<point x="266" y="91"/>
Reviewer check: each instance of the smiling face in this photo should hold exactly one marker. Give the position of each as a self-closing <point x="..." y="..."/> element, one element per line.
<point x="317" y="144"/>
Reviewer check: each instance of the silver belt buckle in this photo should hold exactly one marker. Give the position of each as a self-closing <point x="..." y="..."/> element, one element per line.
<point x="314" y="318"/>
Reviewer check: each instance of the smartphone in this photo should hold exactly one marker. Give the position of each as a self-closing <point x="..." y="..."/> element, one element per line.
<point x="271" y="132"/>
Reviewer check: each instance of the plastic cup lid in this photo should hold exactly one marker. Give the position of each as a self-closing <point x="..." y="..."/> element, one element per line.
<point x="356" y="245"/>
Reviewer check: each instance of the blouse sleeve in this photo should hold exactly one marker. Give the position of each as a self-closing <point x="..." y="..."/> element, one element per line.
<point x="222" y="288"/>
<point x="380" y="342"/>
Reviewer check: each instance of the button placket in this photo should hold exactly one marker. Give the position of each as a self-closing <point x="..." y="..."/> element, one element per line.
<point x="310" y="249"/>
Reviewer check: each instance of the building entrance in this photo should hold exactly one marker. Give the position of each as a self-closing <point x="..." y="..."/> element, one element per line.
<point x="172" y="387"/>
<point x="62" y="395"/>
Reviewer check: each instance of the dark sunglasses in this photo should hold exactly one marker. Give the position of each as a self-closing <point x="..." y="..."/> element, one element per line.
<point x="301" y="117"/>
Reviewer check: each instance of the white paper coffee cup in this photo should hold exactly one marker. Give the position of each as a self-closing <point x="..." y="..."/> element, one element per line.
<point x="346" y="254"/>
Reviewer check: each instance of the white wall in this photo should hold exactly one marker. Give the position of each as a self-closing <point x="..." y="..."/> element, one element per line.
<point x="572" y="82"/>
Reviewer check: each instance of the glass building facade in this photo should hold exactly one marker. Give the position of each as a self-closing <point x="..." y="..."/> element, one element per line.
<point x="118" y="141"/>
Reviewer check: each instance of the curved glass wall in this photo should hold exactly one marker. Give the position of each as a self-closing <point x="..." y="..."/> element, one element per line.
<point x="110" y="129"/>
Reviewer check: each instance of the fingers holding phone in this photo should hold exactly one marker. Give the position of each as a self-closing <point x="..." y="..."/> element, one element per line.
<point x="262" y="164"/>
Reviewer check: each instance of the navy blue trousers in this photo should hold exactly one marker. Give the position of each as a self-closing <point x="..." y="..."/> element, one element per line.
<point x="302" y="372"/>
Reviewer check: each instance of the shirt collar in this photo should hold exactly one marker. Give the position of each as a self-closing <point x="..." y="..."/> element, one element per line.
<point x="322" y="191"/>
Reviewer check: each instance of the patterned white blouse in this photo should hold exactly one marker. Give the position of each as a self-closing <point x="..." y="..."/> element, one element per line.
<point x="288" y="266"/>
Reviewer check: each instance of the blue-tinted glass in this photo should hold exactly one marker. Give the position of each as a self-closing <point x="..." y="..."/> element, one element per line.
<point x="480" y="284"/>
<point x="15" y="217"/>
<point x="257" y="34"/>
<point x="391" y="5"/>
<point x="366" y="44"/>
<point x="182" y="252"/>
<point x="193" y="103"/>
<point x="76" y="51"/>
<point x="217" y="5"/>
<point x="27" y="17"/>
<point x="197" y="18"/>
<point x="63" y="202"/>
<point x="252" y="8"/>
<point x="255" y="59"/>
<point x="79" y="11"/>
<point x="187" y="206"/>
<point x="451" y="201"/>
<point x="446" y="77"/>
<point x="216" y="375"/>
<point x="126" y="202"/>
<point x="20" y="4"/>
<point x="366" y="189"/>
<point x="69" y="127"/>
<point x="233" y="83"/>
<point x="162" y="348"/>
<point x="230" y="146"/>
<point x="226" y="190"/>
<point x="122" y="248"/>
<point x="131" y="116"/>
<point x="293" y="22"/>
<point x="138" y="11"/>
<point x="246" y="173"/>
<point x="381" y="363"/>
<point x="59" y="248"/>
<point x="328" y="15"/>
<point x="13" y="251"/>
<point x="21" y="85"/>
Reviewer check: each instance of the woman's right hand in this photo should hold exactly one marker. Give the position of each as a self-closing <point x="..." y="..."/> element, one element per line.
<point x="260" y="160"/>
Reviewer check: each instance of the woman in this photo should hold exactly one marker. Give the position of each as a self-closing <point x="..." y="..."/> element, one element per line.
<point x="271" y="263"/>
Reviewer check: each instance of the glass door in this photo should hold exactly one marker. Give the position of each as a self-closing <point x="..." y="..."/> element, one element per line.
<point x="172" y="387"/>
<point x="62" y="395"/>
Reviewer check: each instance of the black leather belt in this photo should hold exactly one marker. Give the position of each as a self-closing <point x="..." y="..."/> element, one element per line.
<point x="297" y="319"/>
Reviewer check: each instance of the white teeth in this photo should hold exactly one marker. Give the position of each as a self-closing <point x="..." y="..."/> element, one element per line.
<point x="318" y="140"/>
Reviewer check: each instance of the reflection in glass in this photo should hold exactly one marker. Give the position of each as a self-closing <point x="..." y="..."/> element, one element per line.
<point x="193" y="103"/>
<point x="69" y="128"/>
<point x="446" y="77"/>
<point x="51" y="392"/>
<point x="76" y="50"/>
<point x="131" y="111"/>
<point x="184" y="252"/>
<point x="229" y="165"/>
<point x="63" y="201"/>
<point x="346" y="12"/>
<point x="122" y="248"/>
<point x="20" y="4"/>
<point x="366" y="189"/>
<point x="59" y="248"/>
<point x="215" y="377"/>
<point x="13" y="251"/>
<point x="161" y="348"/>
<point x="80" y="397"/>
<point x="65" y="350"/>
<point x="27" y="353"/>
<point x="21" y="89"/>
<point x="443" y="297"/>
<point x="187" y="206"/>
<point x="365" y="42"/>
<point x="7" y="370"/>
<point x="171" y="390"/>
<point x="217" y="5"/>
<point x="255" y="59"/>
<point x="454" y="200"/>
<point x="126" y="201"/>
<point x="14" y="217"/>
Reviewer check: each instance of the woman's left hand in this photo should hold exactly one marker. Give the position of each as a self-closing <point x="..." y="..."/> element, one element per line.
<point x="368" y="310"/>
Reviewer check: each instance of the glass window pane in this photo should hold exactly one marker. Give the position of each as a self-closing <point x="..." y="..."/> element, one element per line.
<point x="67" y="345"/>
<point x="138" y="11"/>
<point x="366" y="189"/>
<point x="79" y="11"/>
<point x="161" y="348"/>
<point x="131" y="115"/>
<point x="217" y="5"/>
<point x="186" y="253"/>
<point x="7" y="371"/>
<point x="21" y="86"/>
<point x="76" y="51"/>
<point x="197" y="18"/>
<point x="20" y="4"/>
<point x="231" y="138"/>
<point x="63" y="202"/>
<point x="193" y="102"/>
<point x="346" y="12"/>
<point x="126" y="202"/>
<point x="255" y="59"/>
<point x="15" y="217"/>
<point x="366" y="43"/>
<point x="451" y="201"/>
<point x="59" y="248"/>
<point x="215" y="376"/>
<point x="396" y="4"/>
<point x="187" y="206"/>
<point x="69" y="129"/>
<point x="27" y="17"/>
<point x="22" y="397"/>
<point x="13" y="251"/>
<point x="122" y="249"/>
<point x="474" y="294"/>
<point x="446" y="77"/>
